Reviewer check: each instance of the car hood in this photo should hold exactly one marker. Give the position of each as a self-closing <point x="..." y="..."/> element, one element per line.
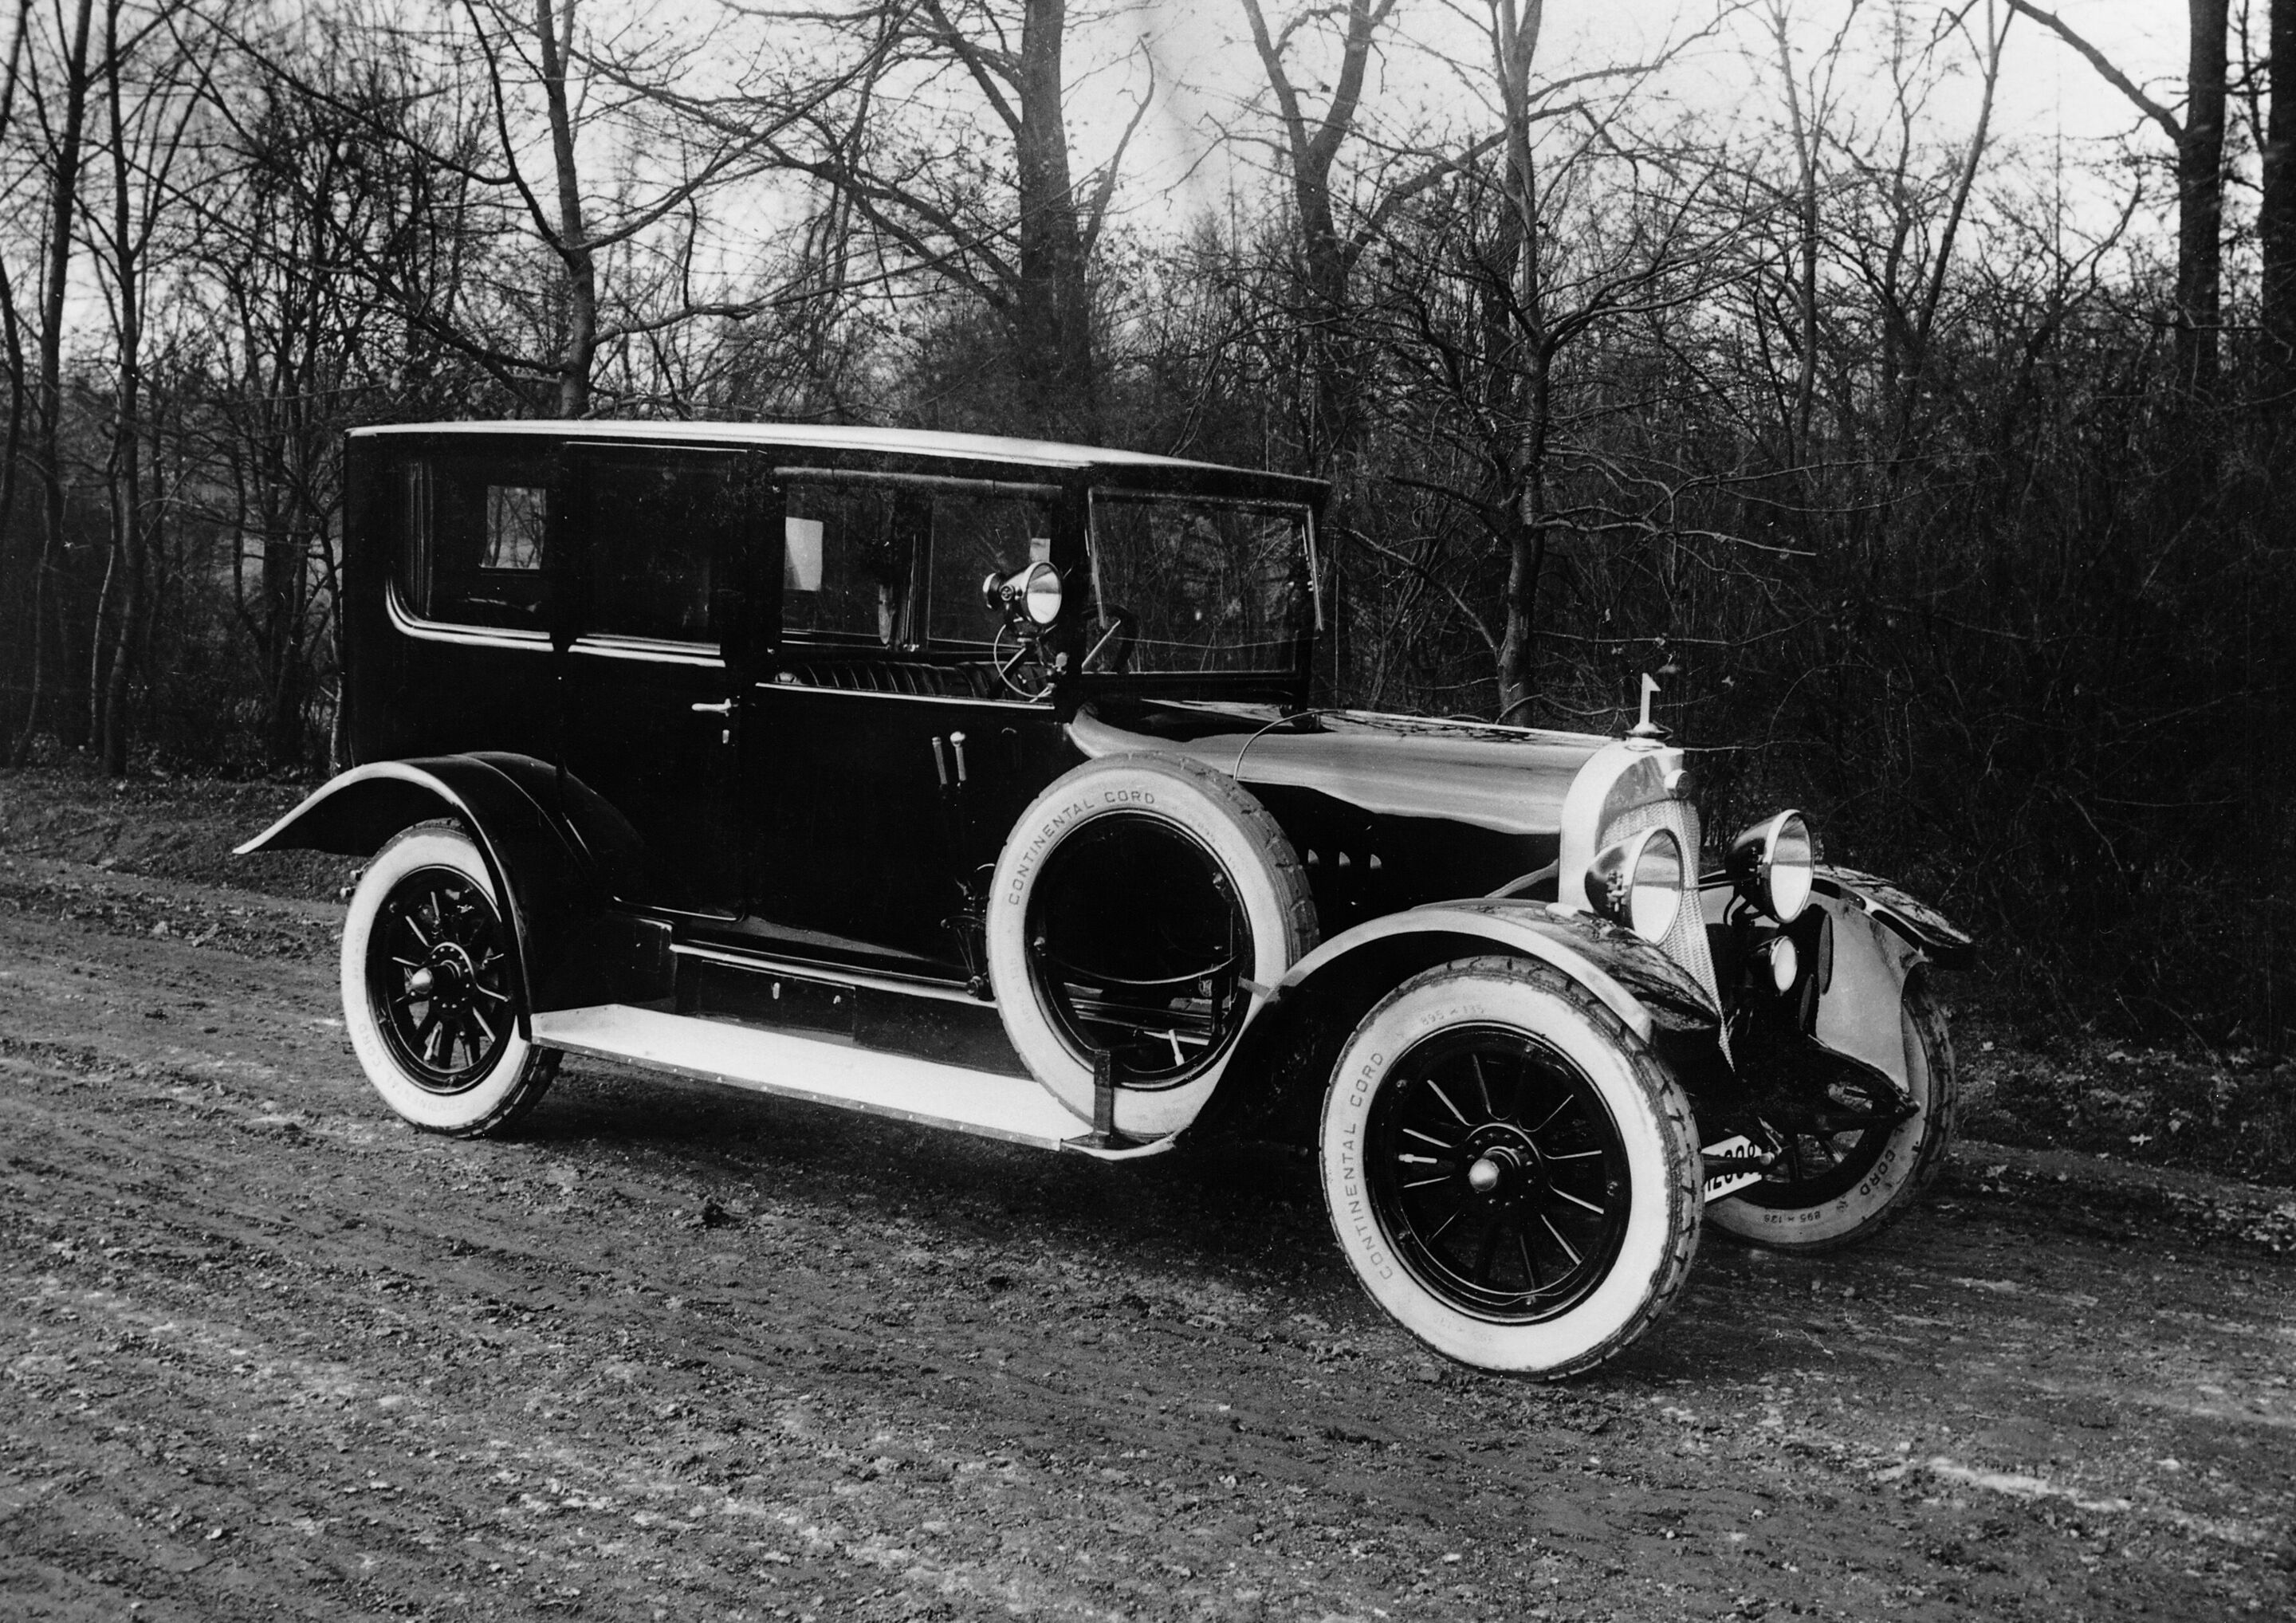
<point x="1508" y="779"/>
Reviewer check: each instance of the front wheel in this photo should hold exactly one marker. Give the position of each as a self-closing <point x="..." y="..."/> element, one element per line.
<point x="1511" y="1174"/>
<point x="1829" y="1189"/>
<point x="429" y="994"/>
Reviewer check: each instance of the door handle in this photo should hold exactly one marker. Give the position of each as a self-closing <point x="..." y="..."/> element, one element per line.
<point x="723" y="708"/>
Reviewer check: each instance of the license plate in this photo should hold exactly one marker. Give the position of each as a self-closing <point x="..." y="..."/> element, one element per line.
<point x="1729" y="1181"/>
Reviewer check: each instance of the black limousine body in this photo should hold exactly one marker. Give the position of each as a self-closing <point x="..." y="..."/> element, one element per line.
<point x="977" y="782"/>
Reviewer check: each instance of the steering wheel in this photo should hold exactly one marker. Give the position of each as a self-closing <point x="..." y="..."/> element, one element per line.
<point x="1112" y="642"/>
<point x="1020" y="663"/>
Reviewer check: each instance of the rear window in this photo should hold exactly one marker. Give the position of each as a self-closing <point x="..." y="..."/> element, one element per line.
<point x="471" y="540"/>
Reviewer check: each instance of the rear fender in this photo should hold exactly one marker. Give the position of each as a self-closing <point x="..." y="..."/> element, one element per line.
<point x="557" y="859"/>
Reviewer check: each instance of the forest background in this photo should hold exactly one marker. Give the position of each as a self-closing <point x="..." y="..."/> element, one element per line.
<point x="1943" y="475"/>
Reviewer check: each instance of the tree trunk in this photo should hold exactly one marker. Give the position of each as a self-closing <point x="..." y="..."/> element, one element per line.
<point x="1515" y="35"/>
<point x="1053" y="307"/>
<point x="2200" y="203"/>
<point x="63" y="203"/>
<point x="10" y="327"/>
<point x="287" y="679"/>
<point x="554" y="36"/>
<point x="108" y="705"/>
<point x="2275" y="216"/>
<point x="1333" y="348"/>
<point x="1806" y="144"/>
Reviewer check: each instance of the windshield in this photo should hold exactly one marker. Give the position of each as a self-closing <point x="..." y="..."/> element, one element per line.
<point x="1208" y="586"/>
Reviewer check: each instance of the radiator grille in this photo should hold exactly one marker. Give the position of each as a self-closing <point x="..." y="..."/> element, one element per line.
<point x="1686" y="943"/>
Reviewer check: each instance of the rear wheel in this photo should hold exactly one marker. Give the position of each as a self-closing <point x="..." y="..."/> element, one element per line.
<point x="1512" y="1175"/>
<point x="429" y="997"/>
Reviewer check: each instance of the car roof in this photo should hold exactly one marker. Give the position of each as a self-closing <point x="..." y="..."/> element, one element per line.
<point x="901" y="442"/>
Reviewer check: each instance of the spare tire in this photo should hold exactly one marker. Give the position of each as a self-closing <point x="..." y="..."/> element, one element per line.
<point x="1144" y="905"/>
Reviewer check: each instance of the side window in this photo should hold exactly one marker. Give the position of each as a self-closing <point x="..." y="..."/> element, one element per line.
<point x="659" y="533"/>
<point x="471" y="537"/>
<point x="974" y="536"/>
<point x="849" y="563"/>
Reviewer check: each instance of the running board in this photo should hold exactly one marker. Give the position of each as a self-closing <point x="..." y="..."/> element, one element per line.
<point x="825" y="1071"/>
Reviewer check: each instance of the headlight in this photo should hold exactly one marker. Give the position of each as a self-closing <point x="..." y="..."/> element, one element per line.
<point x="1035" y="591"/>
<point x="1774" y="862"/>
<point x="1784" y="963"/>
<point x="1637" y="883"/>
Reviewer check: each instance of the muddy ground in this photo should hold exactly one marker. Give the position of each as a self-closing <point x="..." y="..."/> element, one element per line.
<point x="677" y="1353"/>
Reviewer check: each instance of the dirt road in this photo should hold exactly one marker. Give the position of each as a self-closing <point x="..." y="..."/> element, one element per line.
<point x="683" y="1354"/>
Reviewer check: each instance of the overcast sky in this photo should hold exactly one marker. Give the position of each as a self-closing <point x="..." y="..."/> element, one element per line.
<point x="1205" y="64"/>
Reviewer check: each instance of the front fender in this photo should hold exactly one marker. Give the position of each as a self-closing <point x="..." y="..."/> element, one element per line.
<point x="1920" y="924"/>
<point x="1287" y="1050"/>
<point x="1876" y="938"/>
<point x="557" y="858"/>
<point x="1646" y="989"/>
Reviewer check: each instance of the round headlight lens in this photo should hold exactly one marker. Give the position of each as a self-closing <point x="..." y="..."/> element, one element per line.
<point x="1775" y="863"/>
<point x="1637" y="883"/>
<point x="1785" y="961"/>
<point x="1040" y="596"/>
<point x="1035" y="591"/>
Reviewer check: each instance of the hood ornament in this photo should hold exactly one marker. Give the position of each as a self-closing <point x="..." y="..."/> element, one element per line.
<point x="1648" y="732"/>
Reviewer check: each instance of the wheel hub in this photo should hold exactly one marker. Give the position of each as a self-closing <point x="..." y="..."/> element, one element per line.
<point x="1506" y="1165"/>
<point x="1493" y="1166"/>
<point x="435" y="969"/>
<point x="446" y="975"/>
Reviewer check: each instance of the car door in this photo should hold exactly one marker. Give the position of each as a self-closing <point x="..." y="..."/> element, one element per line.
<point x="657" y="541"/>
<point x="470" y="668"/>
<point x="893" y="758"/>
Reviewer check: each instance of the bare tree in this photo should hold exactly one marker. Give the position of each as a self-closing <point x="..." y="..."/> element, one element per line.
<point x="1910" y="307"/>
<point x="1491" y="293"/>
<point x="330" y="266"/>
<point x="63" y="169"/>
<point x="2199" y="137"/>
<point x="151" y="71"/>
<point x="1010" y="225"/>
<point x="2275" y="214"/>
<point x="11" y="333"/>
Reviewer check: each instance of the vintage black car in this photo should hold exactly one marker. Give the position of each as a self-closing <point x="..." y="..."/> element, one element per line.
<point x="978" y="782"/>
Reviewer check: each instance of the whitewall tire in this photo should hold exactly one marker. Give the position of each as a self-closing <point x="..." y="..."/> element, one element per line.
<point x="1512" y="1175"/>
<point x="429" y="996"/>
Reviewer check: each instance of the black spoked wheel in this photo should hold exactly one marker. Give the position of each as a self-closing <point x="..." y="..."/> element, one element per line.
<point x="438" y="973"/>
<point x="1827" y="1146"/>
<point x="1139" y="945"/>
<point x="1498" y="1174"/>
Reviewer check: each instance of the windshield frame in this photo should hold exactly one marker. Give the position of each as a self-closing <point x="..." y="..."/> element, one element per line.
<point x="1309" y="614"/>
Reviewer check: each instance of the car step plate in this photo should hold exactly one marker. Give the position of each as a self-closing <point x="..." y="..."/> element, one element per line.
<point x="1728" y="1180"/>
<point x="825" y="1071"/>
